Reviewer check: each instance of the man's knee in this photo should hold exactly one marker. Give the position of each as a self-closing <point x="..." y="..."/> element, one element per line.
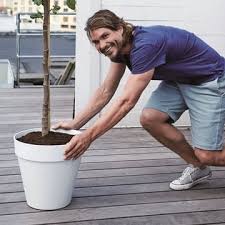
<point x="151" y="117"/>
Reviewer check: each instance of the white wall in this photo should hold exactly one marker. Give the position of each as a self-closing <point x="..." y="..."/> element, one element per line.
<point x="206" y="18"/>
<point x="87" y="58"/>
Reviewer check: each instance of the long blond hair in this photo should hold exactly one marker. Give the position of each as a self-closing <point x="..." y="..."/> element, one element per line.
<point x="107" y="19"/>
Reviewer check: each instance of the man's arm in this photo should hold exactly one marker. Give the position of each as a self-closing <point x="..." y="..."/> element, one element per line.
<point x="99" y="99"/>
<point x="122" y="105"/>
<point x="133" y="89"/>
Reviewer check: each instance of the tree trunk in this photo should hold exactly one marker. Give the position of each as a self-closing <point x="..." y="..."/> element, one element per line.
<point x="46" y="61"/>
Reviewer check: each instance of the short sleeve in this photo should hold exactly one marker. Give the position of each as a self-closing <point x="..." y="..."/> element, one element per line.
<point x="146" y="57"/>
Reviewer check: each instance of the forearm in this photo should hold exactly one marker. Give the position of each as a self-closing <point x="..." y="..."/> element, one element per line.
<point x="95" y="105"/>
<point x="117" y="111"/>
<point x="102" y="95"/>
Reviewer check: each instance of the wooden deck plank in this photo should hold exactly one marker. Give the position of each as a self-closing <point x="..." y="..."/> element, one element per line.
<point x="153" y="155"/>
<point x="6" y="153"/>
<point x="114" y="164"/>
<point x="111" y="212"/>
<point x="123" y="178"/>
<point x="199" y="218"/>
<point x="115" y="168"/>
<point x="112" y="172"/>
<point x="126" y="199"/>
<point x="98" y="146"/>
<point x="18" y="195"/>
<point x="115" y="180"/>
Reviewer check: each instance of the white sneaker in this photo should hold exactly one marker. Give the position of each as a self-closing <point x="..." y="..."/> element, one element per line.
<point x="190" y="177"/>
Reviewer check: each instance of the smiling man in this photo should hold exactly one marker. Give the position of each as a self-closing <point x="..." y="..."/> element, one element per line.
<point x="193" y="79"/>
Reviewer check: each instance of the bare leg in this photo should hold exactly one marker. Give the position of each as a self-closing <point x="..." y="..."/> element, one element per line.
<point x="155" y="123"/>
<point x="211" y="158"/>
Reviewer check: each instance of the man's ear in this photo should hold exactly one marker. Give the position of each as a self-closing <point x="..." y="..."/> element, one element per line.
<point x="120" y="29"/>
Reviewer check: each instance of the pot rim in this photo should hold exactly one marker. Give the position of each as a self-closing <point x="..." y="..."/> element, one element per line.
<point x="38" y="153"/>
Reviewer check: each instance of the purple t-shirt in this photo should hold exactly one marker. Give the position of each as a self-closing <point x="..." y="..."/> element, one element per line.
<point x="175" y="54"/>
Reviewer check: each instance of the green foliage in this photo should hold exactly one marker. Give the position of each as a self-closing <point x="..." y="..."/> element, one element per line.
<point x="37" y="15"/>
<point x="37" y="2"/>
<point x="71" y="4"/>
<point x="55" y="9"/>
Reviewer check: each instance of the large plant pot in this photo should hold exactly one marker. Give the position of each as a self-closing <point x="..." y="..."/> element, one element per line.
<point x="48" y="179"/>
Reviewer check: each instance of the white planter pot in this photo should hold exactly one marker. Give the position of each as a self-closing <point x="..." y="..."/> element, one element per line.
<point x="48" y="179"/>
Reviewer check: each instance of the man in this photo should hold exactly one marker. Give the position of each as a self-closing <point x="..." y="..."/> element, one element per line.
<point x="193" y="78"/>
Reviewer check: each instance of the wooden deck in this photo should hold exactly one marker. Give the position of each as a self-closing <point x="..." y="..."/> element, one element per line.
<point x="123" y="178"/>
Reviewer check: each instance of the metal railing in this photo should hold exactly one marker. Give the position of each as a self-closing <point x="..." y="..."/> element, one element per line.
<point x="19" y="34"/>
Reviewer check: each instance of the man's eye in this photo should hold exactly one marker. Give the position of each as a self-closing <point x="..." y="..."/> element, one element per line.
<point x="105" y="36"/>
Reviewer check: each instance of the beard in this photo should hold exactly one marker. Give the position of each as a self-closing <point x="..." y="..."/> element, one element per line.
<point x="113" y="50"/>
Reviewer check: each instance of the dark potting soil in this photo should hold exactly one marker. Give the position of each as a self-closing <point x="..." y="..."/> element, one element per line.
<point x="53" y="138"/>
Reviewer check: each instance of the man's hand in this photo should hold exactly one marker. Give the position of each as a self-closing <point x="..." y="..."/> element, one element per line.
<point x="63" y="125"/>
<point x="77" y="146"/>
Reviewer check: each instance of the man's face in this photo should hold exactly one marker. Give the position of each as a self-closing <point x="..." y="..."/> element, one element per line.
<point x="108" y="42"/>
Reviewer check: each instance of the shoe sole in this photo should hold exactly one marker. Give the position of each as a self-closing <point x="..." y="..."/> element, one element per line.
<point x="188" y="186"/>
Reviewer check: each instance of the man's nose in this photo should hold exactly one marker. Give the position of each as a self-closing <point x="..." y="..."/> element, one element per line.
<point x="102" y="45"/>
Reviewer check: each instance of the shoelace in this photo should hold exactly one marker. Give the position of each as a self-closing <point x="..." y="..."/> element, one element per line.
<point x="185" y="172"/>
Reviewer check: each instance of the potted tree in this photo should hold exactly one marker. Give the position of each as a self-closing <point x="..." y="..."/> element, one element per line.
<point x="48" y="179"/>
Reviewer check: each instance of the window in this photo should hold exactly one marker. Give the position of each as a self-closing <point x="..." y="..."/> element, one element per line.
<point x="65" y="19"/>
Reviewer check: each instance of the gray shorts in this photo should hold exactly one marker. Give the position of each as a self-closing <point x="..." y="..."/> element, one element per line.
<point x="206" y="105"/>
